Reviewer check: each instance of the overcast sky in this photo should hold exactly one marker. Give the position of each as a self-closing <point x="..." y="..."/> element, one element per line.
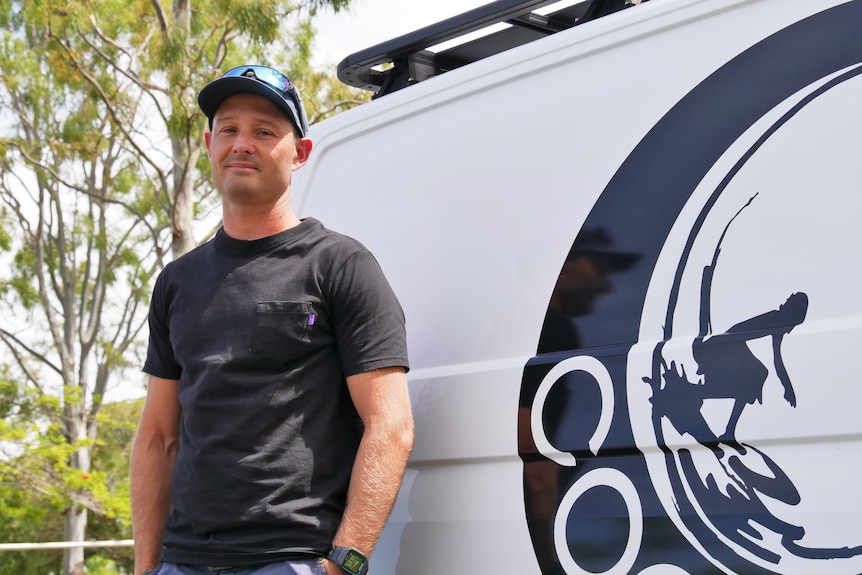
<point x="370" y="22"/>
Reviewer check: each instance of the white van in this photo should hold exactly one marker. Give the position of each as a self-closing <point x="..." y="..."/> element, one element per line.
<point x="626" y="237"/>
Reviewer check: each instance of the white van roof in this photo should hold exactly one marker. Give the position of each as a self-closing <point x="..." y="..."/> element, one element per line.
<point x="412" y="59"/>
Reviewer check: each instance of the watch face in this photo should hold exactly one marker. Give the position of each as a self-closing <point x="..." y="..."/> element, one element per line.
<point x="353" y="562"/>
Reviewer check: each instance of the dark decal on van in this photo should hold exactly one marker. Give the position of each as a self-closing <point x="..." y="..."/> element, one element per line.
<point x="657" y="418"/>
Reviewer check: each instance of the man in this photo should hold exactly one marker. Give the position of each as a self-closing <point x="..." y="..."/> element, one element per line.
<point x="584" y="278"/>
<point x="277" y="423"/>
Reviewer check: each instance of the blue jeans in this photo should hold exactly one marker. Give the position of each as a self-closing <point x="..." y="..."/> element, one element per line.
<point x="300" y="567"/>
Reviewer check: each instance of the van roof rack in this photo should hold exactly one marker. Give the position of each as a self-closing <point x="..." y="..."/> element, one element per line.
<point x="414" y="59"/>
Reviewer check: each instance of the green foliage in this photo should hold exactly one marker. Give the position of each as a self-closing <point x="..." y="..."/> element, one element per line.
<point x="26" y="518"/>
<point x="258" y="19"/>
<point x="37" y="514"/>
<point x="23" y="283"/>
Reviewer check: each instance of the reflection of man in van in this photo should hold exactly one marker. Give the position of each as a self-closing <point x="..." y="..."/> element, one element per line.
<point x="584" y="277"/>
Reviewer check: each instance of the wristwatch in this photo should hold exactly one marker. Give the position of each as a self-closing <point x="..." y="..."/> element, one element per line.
<point x="351" y="561"/>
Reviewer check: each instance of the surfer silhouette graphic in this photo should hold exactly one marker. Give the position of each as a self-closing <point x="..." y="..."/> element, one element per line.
<point x="726" y="366"/>
<point x="732" y="481"/>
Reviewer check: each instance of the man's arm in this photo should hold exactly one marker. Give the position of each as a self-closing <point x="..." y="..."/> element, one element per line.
<point x="153" y="453"/>
<point x="382" y="401"/>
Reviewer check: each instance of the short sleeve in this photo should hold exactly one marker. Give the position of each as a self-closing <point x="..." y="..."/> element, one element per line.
<point x="160" y="361"/>
<point x="369" y="322"/>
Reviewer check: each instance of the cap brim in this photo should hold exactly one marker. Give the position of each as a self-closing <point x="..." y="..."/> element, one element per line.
<point x="621" y="261"/>
<point x="217" y="91"/>
<point x="618" y="261"/>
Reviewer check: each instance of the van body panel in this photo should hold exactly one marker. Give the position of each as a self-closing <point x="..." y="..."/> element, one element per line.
<point x="626" y="256"/>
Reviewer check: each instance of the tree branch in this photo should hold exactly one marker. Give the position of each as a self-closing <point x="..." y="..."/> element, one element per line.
<point x="118" y="123"/>
<point x="13" y="342"/>
<point x="160" y="15"/>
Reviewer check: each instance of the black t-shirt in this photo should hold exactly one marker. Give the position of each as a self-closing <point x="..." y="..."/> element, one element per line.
<point x="261" y="335"/>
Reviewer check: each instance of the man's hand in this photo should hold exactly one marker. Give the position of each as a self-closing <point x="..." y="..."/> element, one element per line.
<point x="331" y="568"/>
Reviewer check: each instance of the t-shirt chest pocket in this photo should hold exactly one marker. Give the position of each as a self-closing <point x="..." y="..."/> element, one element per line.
<point x="282" y="328"/>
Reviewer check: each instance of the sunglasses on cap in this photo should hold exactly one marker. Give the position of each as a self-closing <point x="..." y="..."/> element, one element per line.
<point x="279" y="89"/>
<point x="266" y="75"/>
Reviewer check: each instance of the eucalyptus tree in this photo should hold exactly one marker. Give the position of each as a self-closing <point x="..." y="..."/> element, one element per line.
<point x="102" y="179"/>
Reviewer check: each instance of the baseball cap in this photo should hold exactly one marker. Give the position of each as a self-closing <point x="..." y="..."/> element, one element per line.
<point x="598" y="242"/>
<point x="260" y="80"/>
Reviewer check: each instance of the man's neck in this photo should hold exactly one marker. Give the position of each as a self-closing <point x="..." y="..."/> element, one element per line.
<point x="250" y="224"/>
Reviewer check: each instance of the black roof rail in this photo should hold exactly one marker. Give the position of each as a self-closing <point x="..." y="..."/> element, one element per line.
<point x="412" y="62"/>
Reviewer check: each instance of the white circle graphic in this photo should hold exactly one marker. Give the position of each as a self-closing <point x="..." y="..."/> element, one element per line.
<point x="600" y="373"/>
<point x="605" y="477"/>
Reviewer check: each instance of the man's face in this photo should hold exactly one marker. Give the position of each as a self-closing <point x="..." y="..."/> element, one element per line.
<point x="582" y="279"/>
<point x="253" y="150"/>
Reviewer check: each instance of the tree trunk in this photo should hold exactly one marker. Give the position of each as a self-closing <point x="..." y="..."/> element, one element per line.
<point x="185" y="157"/>
<point x="75" y="519"/>
<point x="75" y="528"/>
